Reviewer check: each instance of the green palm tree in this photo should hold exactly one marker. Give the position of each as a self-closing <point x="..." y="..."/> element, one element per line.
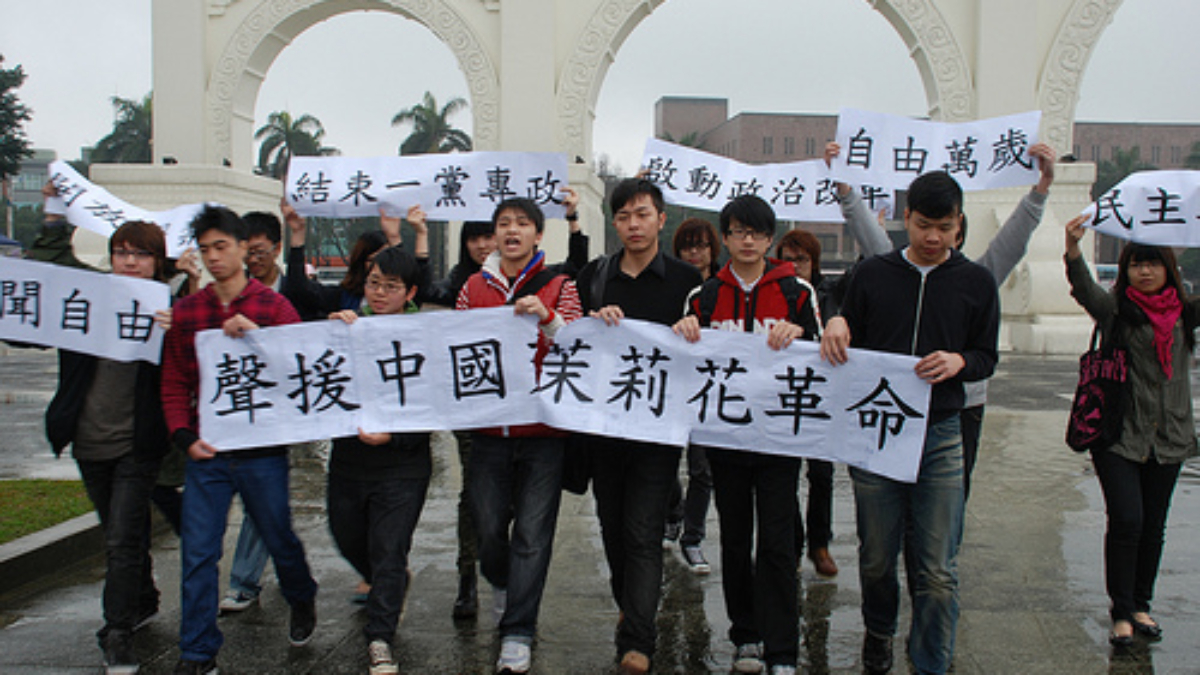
<point x="691" y="139"/>
<point x="131" y="140"/>
<point x="283" y="138"/>
<point x="432" y="131"/>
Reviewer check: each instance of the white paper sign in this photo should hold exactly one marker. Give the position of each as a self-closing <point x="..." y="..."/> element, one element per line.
<point x="325" y="379"/>
<point x="641" y="381"/>
<point x="104" y="315"/>
<point x="455" y="186"/>
<point x="890" y="151"/>
<point x="92" y="207"/>
<point x="462" y="370"/>
<point x="1161" y="208"/>
<point x="701" y="180"/>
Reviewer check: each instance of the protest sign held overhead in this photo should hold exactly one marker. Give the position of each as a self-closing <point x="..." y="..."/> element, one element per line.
<point x="93" y="208"/>
<point x="890" y="151"/>
<point x="1160" y="208"/>
<point x="455" y="186"/>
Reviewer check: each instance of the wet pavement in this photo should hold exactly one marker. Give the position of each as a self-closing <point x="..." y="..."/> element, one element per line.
<point x="1031" y="573"/>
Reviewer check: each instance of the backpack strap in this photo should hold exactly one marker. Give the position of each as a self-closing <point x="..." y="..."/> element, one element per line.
<point x="706" y="300"/>
<point x="533" y="284"/>
<point x="599" y="281"/>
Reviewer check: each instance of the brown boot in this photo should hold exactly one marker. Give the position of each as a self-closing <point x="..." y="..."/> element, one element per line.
<point x="823" y="562"/>
<point x="634" y="663"/>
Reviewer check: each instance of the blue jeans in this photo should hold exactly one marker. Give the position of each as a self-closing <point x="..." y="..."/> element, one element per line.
<point x="249" y="560"/>
<point x="516" y="486"/>
<point x="926" y="518"/>
<point x="372" y="524"/>
<point x="208" y="490"/>
<point x="120" y="490"/>
<point x="632" y="482"/>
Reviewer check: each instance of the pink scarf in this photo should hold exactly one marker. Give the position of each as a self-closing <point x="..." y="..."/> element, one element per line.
<point x="1163" y="310"/>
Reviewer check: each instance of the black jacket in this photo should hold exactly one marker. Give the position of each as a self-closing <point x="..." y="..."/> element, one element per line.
<point x="890" y="307"/>
<point x="75" y="373"/>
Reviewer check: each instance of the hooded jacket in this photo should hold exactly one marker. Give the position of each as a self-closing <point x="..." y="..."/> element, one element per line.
<point x="891" y="307"/>
<point x="757" y="311"/>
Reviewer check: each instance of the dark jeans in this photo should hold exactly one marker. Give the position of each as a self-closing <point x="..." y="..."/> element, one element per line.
<point x="468" y="539"/>
<point x="1137" y="497"/>
<point x="372" y="524"/>
<point x="516" y="486"/>
<point x="209" y="487"/>
<point x="972" y="427"/>
<point x="691" y="508"/>
<point x="758" y="568"/>
<point x="632" y="481"/>
<point x="120" y="490"/>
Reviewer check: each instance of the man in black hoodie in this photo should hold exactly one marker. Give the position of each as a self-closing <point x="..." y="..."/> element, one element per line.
<point x="929" y="301"/>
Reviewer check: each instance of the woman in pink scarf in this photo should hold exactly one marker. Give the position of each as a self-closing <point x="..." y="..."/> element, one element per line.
<point x="1148" y="312"/>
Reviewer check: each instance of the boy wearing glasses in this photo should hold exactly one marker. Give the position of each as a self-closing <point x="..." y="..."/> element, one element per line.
<point x="753" y="294"/>
<point x="378" y="481"/>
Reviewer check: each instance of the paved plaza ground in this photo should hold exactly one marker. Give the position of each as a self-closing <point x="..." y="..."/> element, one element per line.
<point x="1032" y="587"/>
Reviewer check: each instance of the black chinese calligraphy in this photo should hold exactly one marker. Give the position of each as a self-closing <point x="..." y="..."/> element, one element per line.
<point x="134" y="325"/>
<point x="322" y="385"/>
<point x="910" y="158"/>
<point x="239" y="379"/>
<point x="478" y="370"/>
<point x="882" y="409"/>
<point x="399" y="368"/>
<point x="798" y="401"/>
<point x="356" y="189"/>
<point x="497" y="185"/>
<point x="859" y="153"/>
<point x="1009" y="150"/>
<point x="962" y="157"/>
<point x="76" y="312"/>
<point x="21" y="301"/>
<point x="450" y="180"/>
<point x="561" y="367"/>
<point x="640" y="380"/>
<point x="314" y="189"/>
<point x="1110" y="204"/>
<point x="724" y="396"/>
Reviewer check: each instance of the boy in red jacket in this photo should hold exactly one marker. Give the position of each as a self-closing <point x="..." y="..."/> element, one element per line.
<point x="516" y="472"/>
<point x="753" y="294"/>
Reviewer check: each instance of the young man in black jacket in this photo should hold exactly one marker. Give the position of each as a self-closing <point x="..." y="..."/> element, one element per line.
<point x="929" y="301"/>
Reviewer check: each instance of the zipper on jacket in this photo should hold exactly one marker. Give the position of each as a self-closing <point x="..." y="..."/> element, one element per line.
<point x="912" y="349"/>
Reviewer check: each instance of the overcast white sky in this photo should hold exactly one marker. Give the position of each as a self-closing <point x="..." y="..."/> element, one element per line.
<point x="355" y="71"/>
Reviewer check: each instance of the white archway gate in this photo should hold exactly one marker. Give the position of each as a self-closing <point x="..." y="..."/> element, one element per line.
<point x="535" y="68"/>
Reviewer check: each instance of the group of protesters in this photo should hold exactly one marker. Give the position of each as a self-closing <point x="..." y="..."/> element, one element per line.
<point x="127" y="422"/>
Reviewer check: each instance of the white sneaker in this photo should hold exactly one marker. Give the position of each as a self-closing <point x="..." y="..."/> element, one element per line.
<point x="515" y="657"/>
<point x="236" y="601"/>
<point x="747" y="658"/>
<point x="780" y="669"/>
<point x="499" y="604"/>
<point x="380" y="655"/>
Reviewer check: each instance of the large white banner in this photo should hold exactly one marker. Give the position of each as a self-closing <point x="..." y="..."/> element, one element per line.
<point x="89" y="312"/>
<point x="1161" y="208"/>
<point x="890" y="151"/>
<point x="92" y="207"/>
<point x="641" y="381"/>
<point x="456" y="186"/>
<point x="795" y="190"/>
<point x="325" y="379"/>
<point x="462" y="370"/>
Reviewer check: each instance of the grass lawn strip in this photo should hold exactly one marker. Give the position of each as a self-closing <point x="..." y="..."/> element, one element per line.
<point x="30" y="505"/>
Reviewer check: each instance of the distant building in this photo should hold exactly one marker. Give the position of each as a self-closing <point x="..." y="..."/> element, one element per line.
<point x="32" y="175"/>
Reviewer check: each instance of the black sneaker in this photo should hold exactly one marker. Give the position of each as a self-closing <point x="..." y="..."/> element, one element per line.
<point x="693" y="555"/>
<point x="119" y="658"/>
<point x="671" y="533"/>
<point x="304" y="622"/>
<point x="206" y="667"/>
<point x="877" y="653"/>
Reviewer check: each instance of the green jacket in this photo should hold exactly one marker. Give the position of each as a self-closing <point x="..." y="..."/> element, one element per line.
<point x="1158" y="411"/>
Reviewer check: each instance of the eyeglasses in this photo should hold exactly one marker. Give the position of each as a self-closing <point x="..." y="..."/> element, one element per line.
<point x="261" y="252"/>
<point x="122" y="253"/>
<point x="388" y="287"/>
<point x="800" y="259"/>
<point x="742" y="233"/>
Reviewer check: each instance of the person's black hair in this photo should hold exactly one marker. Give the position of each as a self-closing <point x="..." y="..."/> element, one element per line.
<point x="470" y="230"/>
<point x="935" y="195"/>
<point x="962" y="233"/>
<point x="751" y="211"/>
<point x="629" y="188"/>
<point x="221" y="219"/>
<point x="263" y="223"/>
<point x="394" y="261"/>
<point x="524" y="205"/>
<point x="367" y="245"/>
